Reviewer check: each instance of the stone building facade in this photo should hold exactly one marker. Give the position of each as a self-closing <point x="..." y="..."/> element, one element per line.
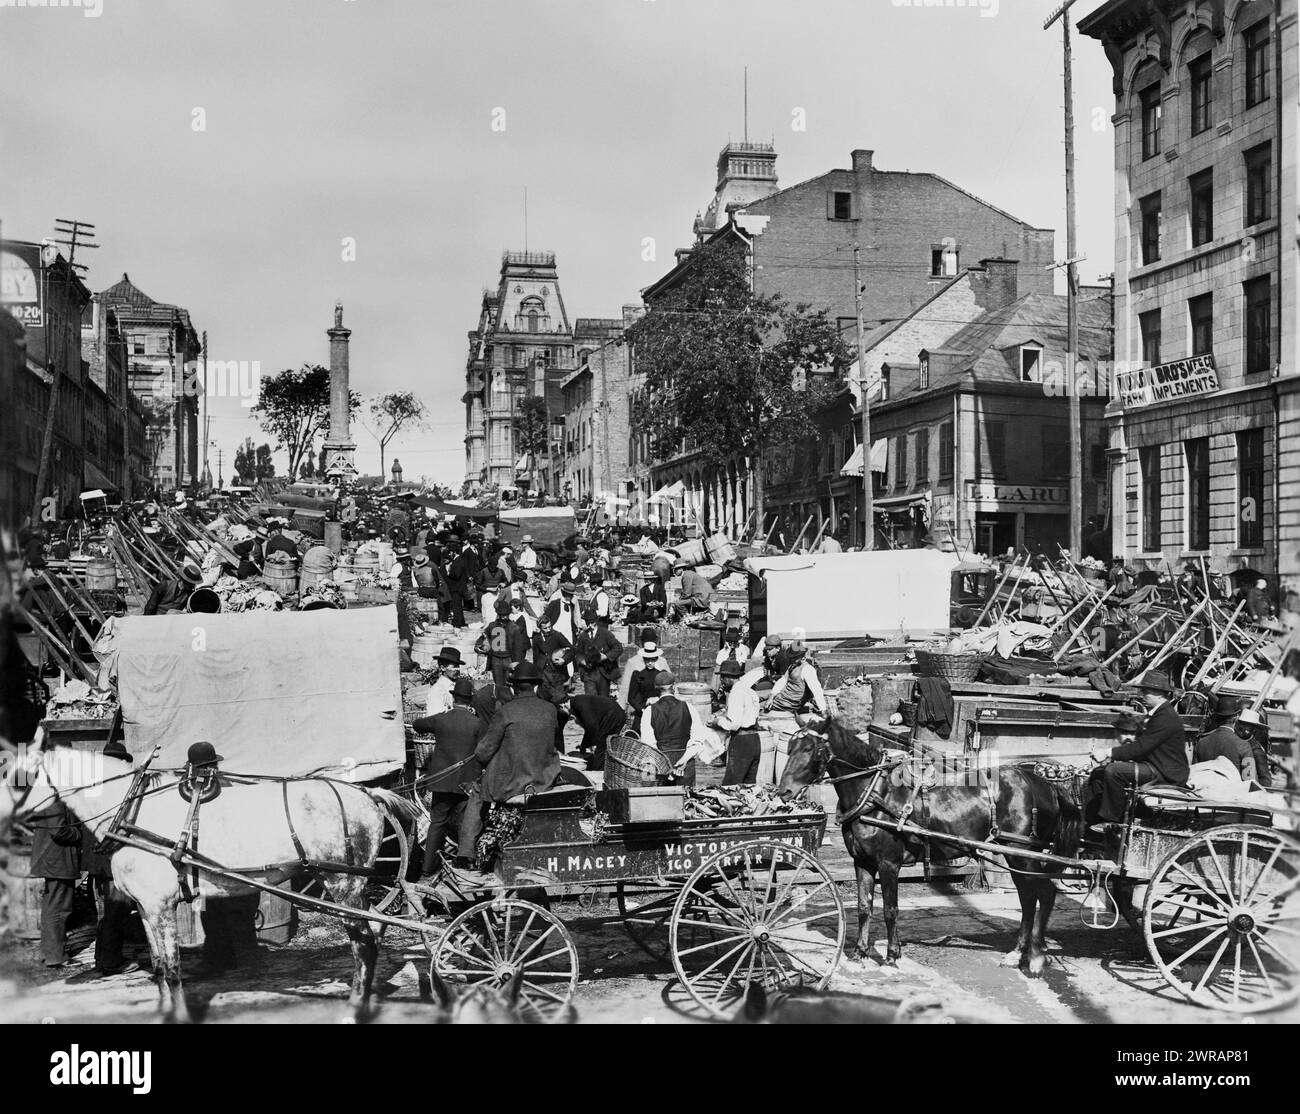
<point x="1205" y="418"/>
<point x="523" y="345"/>
<point x="594" y="461"/>
<point x="162" y="350"/>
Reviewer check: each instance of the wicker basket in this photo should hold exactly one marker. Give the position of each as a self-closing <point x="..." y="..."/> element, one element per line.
<point x="632" y="764"/>
<point x="951" y="667"/>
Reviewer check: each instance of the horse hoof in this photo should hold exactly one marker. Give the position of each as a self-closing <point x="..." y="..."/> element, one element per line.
<point x="1034" y="968"/>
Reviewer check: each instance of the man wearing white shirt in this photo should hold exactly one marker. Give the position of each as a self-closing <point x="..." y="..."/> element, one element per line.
<point x="740" y="722"/>
<point x="527" y="561"/>
<point x="439" y="699"/>
<point x="797" y="687"/>
<point x="675" y="729"/>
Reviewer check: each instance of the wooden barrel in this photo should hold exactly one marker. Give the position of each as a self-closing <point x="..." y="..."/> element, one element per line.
<point x="310" y="578"/>
<point x="698" y="695"/>
<point x="281" y="579"/>
<point x="203" y="601"/>
<point x="24" y="895"/>
<point x="365" y="563"/>
<point x="101" y="574"/>
<point x="424" y="651"/>
<point x="720" y="549"/>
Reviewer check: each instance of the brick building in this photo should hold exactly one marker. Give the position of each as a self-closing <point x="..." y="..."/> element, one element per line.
<point x="594" y="461"/>
<point x="1205" y="419"/>
<point x="917" y="231"/>
<point x="523" y="345"/>
<point x="161" y="348"/>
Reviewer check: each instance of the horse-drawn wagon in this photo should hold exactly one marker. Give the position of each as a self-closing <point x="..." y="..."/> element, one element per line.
<point x="1212" y="885"/>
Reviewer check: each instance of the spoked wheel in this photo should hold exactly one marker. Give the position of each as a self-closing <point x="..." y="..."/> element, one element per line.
<point x="1222" y="919"/>
<point x="773" y="916"/>
<point x="646" y="909"/>
<point x="490" y="944"/>
<point x="387" y="892"/>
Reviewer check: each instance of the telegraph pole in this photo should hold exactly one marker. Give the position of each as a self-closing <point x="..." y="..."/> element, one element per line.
<point x="206" y="476"/>
<point x="869" y="533"/>
<point x="1072" y="295"/>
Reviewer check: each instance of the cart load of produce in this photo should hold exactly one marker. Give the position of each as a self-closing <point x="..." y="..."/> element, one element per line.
<point x="246" y="595"/>
<point x="741" y="800"/>
<point x="77" y="700"/>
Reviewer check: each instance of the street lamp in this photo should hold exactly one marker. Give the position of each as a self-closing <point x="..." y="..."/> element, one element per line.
<point x="397" y="471"/>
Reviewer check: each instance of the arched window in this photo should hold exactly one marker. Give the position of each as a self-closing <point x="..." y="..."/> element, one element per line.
<point x="532" y="316"/>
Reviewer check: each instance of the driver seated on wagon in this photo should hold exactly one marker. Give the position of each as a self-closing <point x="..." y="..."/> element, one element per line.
<point x="1157" y="755"/>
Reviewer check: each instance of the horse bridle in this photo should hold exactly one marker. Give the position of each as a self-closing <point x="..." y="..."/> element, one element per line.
<point x="871" y="796"/>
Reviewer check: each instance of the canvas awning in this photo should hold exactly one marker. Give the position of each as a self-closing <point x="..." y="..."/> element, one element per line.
<point x="879" y="459"/>
<point x="897" y="503"/>
<point x="93" y="477"/>
<point x="455" y="510"/>
<point x="672" y="491"/>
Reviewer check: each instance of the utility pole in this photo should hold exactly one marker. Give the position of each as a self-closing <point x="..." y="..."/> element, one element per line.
<point x="869" y="532"/>
<point x="206" y="477"/>
<point x="1072" y="295"/>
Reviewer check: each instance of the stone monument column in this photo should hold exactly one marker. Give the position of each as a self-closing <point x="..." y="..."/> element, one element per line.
<point x="339" y="448"/>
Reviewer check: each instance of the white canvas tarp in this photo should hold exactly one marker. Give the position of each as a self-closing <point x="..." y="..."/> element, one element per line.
<point x="845" y="595"/>
<point x="283" y="693"/>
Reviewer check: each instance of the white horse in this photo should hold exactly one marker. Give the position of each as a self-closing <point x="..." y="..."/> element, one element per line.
<point x="245" y="828"/>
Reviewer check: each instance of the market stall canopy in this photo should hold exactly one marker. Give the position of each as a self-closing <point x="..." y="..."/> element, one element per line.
<point x="846" y="595"/>
<point x="672" y="491"/>
<point x="94" y="477"/>
<point x="289" y="694"/>
<point x="456" y="510"/>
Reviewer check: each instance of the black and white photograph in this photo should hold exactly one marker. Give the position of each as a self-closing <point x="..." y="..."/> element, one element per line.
<point x="652" y="512"/>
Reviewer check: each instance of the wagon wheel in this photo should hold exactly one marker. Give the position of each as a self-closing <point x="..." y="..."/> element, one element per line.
<point x="387" y="893"/>
<point x="646" y="909"/>
<point x="775" y="917"/>
<point x="491" y="942"/>
<point x="1222" y="919"/>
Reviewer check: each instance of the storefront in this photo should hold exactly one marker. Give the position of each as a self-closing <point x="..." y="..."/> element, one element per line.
<point x="1008" y="516"/>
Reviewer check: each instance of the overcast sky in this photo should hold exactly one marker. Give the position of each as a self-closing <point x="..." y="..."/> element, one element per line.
<point x="372" y="119"/>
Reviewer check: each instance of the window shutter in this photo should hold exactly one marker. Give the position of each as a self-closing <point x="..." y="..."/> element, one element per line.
<point x="830" y="204"/>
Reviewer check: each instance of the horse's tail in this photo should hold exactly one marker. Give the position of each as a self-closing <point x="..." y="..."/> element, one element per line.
<point x="1069" y="824"/>
<point x="400" y="807"/>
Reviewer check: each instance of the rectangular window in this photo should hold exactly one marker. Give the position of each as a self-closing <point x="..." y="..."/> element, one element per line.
<point x="1197" y="454"/>
<point x="1031" y="365"/>
<point x="1056" y="451"/>
<point x="1151" y="210"/>
<point x="884" y="384"/>
<point x="1150" y="325"/>
<point x="137" y="346"/>
<point x="1202" y="74"/>
<point x="1259" y="184"/>
<point x="1250" y="489"/>
<point x="1259" y="318"/>
<point x="924" y="377"/>
<point x="922" y="456"/>
<point x="841" y="206"/>
<point x="995" y="449"/>
<point x="1201" y="189"/>
<point x="1201" y="313"/>
<point x="1151" y="113"/>
<point x="900" y="463"/>
<point x="943" y="262"/>
<point x="1257" y="63"/>
<point x="1149" y="462"/>
<point x="945" y="451"/>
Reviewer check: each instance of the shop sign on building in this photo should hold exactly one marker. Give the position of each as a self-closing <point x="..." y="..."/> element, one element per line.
<point x="1147" y="386"/>
<point x="990" y="495"/>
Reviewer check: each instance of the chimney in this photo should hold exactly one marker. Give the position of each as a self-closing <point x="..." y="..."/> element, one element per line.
<point x="1003" y="282"/>
<point x="862" y="161"/>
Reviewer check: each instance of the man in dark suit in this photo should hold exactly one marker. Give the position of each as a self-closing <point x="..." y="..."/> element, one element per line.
<point x="458" y="576"/>
<point x="455" y="733"/>
<point x="599" y="717"/>
<point x="1156" y="755"/>
<point x="518" y="750"/>
<point x="597" y="653"/>
<point x="546" y="641"/>
<point x="504" y="644"/>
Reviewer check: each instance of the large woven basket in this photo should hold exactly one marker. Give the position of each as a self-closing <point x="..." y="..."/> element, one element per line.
<point x="951" y="667"/>
<point x="632" y="764"/>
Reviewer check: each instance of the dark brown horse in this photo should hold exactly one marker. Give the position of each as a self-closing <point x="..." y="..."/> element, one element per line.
<point x="878" y="788"/>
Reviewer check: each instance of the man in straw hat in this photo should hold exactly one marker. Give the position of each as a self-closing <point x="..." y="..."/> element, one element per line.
<point x="641" y="683"/>
<point x="1156" y="756"/>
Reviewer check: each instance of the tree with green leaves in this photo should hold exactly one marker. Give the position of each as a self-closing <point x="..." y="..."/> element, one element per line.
<point x="531" y="426"/>
<point x="729" y="373"/>
<point x="294" y="406"/>
<point x="391" y="413"/>
<point x="263" y="465"/>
